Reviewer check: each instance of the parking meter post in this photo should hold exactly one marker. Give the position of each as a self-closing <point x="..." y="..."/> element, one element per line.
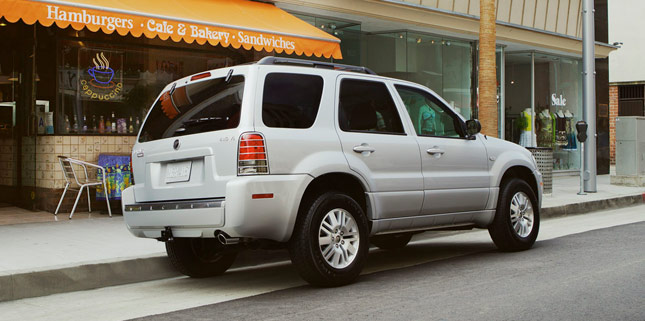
<point x="582" y="169"/>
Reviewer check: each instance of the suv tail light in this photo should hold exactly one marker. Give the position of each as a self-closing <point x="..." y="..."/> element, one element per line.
<point x="252" y="155"/>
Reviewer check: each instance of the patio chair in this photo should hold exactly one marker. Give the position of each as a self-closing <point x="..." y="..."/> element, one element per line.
<point x="69" y="173"/>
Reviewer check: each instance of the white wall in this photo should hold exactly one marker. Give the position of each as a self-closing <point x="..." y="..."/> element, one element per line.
<point x="627" y="25"/>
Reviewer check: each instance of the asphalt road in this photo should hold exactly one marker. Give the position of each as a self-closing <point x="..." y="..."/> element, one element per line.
<point x="595" y="275"/>
<point x="584" y="267"/>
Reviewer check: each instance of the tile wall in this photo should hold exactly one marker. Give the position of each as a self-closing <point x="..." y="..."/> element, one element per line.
<point x="40" y="156"/>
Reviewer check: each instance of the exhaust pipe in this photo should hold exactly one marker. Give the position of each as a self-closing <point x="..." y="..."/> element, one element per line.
<point x="225" y="239"/>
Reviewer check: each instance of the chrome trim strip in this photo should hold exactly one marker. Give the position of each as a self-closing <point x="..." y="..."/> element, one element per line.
<point x="179" y="205"/>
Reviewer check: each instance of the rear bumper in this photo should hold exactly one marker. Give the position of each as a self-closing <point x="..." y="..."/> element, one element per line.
<point x="237" y="214"/>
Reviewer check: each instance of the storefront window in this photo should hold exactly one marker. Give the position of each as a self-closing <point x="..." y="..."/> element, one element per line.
<point x="107" y="89"/>
<point x="558" y="106"/>
<point x="517" y="103"/>
<point x="349" y="34"/>
<point x="443" y="65"/>
<point x="556" y="84"/>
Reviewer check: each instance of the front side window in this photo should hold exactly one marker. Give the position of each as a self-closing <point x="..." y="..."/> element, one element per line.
<point x="366" y="106"/>
<point x="291" y="100"/>
<point x="198" y="107"/>
<point x="427" y="114"/>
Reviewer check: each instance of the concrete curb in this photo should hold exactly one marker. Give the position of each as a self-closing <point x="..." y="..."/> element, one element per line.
<point x="93" y="276"/>
<point x="592" y="206"/>
<point x="84" y="277"/>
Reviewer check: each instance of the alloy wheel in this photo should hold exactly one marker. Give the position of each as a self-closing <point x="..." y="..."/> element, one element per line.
<point x="338" y="238"/>
<point x="522" y="216"/>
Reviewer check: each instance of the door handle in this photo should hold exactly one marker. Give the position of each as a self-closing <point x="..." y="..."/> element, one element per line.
<point x="435" y="151"/>
<point x="364" y="149"/>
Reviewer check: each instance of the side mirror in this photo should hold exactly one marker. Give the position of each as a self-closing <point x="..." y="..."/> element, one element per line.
<point x="473" y="126"/>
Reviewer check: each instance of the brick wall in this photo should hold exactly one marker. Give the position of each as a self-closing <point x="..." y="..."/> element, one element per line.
<point x="613" y="113"/>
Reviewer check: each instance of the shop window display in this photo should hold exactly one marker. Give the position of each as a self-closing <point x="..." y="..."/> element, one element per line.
<point x="558" y="102"/>
<point x="107" y="89"/>
<point x="557" y="88"/>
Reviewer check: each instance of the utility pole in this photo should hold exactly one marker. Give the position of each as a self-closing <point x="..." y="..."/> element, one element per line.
<point x="589" y="94"/>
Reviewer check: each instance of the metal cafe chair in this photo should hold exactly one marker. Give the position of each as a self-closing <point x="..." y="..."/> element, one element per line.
<point x="71" y="177"/>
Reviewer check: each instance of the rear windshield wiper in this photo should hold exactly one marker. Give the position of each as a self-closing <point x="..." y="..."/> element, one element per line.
<point x="199" y="121"/>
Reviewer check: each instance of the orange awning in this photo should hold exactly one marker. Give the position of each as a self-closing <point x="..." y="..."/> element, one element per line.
<point x="237" y="23"/>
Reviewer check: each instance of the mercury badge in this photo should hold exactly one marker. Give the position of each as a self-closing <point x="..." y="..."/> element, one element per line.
<point x="175" y="145"/>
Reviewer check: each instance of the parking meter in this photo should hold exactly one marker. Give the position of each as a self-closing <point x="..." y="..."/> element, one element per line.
<point x="581" y="127"/>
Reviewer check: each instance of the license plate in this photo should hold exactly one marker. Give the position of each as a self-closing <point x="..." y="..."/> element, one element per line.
<point x="178" y="172"/>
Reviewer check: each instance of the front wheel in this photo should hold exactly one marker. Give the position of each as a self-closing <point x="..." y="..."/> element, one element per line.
<point x="199" y="257"/>
<point x="330" y="241"/>
<point x="517" y="220"/>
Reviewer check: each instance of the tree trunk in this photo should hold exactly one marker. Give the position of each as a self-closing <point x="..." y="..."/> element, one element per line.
<point x="487" y="80"/>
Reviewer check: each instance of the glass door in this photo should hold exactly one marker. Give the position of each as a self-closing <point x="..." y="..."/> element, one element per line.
<point x="17" y="121"/>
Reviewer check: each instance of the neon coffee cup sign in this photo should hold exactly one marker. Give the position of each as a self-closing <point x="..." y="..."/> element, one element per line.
<point x="101" y="85"/>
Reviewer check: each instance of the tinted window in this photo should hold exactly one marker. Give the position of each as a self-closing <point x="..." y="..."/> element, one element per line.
<point x="367" y="106"/>
<point x="291" y="100"/>
<point x="198" y="107"/>
<point x="429" y="116"/>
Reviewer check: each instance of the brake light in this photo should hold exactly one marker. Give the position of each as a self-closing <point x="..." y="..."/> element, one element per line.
<point x="251" y="155"/>
<point x="200" y="76"/>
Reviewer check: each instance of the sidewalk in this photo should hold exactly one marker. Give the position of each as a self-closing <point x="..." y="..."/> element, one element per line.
<point x="92" y="251"/>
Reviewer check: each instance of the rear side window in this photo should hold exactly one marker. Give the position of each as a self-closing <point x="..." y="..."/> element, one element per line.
<point x="366" y="106"/>
<point x="291" y="100"/>
<point x="198" y="107"/>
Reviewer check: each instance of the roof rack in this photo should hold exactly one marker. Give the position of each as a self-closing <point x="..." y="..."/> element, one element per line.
<point x="314" y="64"/>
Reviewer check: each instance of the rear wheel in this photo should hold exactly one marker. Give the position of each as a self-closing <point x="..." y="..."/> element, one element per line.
<point x="391" y="241"/>
<point x="517" y="220"/>
<point x="330" y="241"/>
<point x="199" y="257"/>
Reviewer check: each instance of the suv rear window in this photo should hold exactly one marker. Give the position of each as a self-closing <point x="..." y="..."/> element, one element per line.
<point x="198" y="107"/>
<point x="291" y="100"/>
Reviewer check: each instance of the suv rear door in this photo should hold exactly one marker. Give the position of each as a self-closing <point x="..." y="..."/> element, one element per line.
<point x="377" y="146"/>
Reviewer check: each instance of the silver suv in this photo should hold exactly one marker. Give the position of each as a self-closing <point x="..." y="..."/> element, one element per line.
<point x="319" y="158"/>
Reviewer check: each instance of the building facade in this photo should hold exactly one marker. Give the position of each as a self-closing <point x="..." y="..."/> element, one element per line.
<point x="626" y="78"/>
<point x="58" y="100"/>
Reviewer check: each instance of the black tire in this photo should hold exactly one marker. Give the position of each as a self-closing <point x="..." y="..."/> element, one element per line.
<point x="502" y="230"/>
<point x="391" y="241"/>
<point x="199" y="257"/>
<point x="305" y="249"/>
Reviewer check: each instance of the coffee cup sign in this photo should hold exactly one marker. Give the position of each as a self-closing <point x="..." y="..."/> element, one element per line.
<point x="101" y="84"/>
<point x="558" y="101"/>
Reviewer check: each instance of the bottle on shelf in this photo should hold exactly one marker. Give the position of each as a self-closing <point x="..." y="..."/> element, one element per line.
<point x="67" y="125"/>
<point x="94" y="128"/>
<point x="102" y="125"/>
<point x="130" y="126"/>
<point x="84" y="130"/>
<point x="137" y="125"/>
<point x="75" y="125"/>
<point x="113" y="130"/>
<point x="108" y="125"/>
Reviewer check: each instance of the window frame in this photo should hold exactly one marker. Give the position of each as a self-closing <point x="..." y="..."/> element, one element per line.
<point x="389" y="92"/>
<point x="433" y="97"/>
